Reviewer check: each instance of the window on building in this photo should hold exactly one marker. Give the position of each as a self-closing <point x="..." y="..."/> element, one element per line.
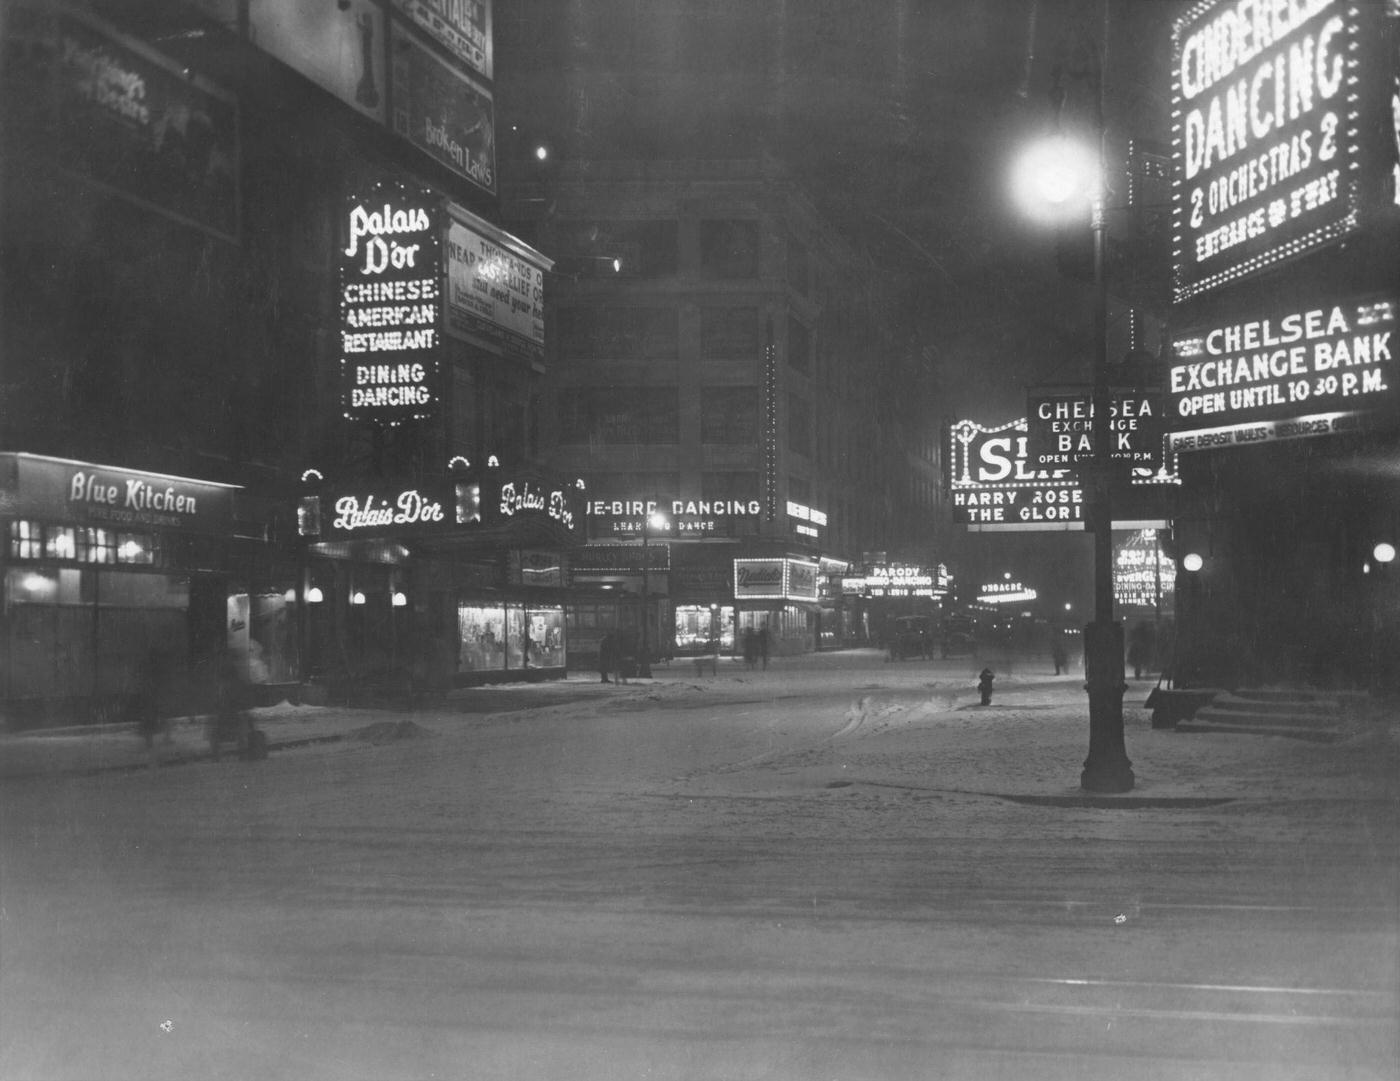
<point x="729" y="249"/>
<point x="730" y="334"/>
<point x="799" y="425"/>
<point x="798" y="274"/>
<point x="729" y="415"/>
<point x="598" y="333"/>
<point x="620" y="415"/>
<point x="799" y="346"/>
<point x="628" y="249"/>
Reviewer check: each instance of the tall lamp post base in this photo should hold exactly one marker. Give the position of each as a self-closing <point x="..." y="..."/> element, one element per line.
<point x="1107" y="769"/>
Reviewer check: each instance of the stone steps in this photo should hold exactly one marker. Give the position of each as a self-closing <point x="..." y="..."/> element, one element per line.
<point x="1294" y="713"/>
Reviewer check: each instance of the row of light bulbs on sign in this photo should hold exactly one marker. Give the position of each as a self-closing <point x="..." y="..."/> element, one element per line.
<point x="315" y="595"/>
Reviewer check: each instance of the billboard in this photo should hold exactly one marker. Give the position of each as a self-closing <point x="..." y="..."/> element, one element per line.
<point x="390" y="304"/>
<point x="1266" y="134"/>
<point x="1279" y="374"/>
<point x="462" y="27"/>
<point x="438" y="109"/>
<point x="495" y="289"/>
<point x="339" y="47"/>
<point x="113" y="111"/>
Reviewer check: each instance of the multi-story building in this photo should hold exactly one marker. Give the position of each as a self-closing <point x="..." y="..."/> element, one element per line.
<point x="199" y="334"/>
<point x="719" y="353"/>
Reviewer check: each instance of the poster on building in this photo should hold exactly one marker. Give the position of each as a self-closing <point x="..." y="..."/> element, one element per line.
<point x="462" y="27"/>
<point x="1144" y="576"/>
<point x="495" y="290"/>
<point x="442" y="111"/>
<point x="1284" y="374"/>
<point x="120" y="115"/>
<point x="1267" y="150"/>
<point x="390" y="258"/>
<point x="340" y="47"/>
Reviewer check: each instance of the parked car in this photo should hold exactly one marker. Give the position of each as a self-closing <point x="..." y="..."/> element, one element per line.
<point x="910" y="636"/>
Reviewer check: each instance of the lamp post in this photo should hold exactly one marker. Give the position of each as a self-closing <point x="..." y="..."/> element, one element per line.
<point x="1054" y="179"/>
<point x="653" y="519"/>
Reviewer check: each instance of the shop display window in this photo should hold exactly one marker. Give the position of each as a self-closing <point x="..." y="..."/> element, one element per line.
<point x="483" y="635"/>
<point x="546" y="637"/>
<point x="698" y="625"/>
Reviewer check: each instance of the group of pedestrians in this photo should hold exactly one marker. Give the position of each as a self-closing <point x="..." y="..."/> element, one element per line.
<point x="757" y="644"/>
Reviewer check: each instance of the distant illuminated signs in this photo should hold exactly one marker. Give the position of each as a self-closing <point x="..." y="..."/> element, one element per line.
<point x="899" y="580"/>
<point x="994" y="486"/>
<point x="495" y="289"/>
<point x="1282" y="376"/>
<point x="1144" y="576"/>
<point x="390" y="304"/>
<point x="1265" y="134"/>
<point x="806" y="522"/>
<point x="775" y="579"/>
<point x="1061" y="422"/>
<point x="684" y="517"/>
<point x="1005" y="593"/>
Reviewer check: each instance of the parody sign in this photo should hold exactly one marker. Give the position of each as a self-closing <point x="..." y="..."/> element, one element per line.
<point x="390" y="304"/>
<point x="1283" y="375"/>
<point x="495" y="290"/>
<point x="1265" y="144"/>
<point x="899" y="580"/>
<point x="1060" y="432"/>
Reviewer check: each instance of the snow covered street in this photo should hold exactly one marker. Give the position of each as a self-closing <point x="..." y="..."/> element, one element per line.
<point x="836" y="868"/>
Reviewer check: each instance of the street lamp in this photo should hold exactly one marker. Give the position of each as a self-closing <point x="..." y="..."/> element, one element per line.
<point x="653" y="519"/>
<point x="1071" y="175"/>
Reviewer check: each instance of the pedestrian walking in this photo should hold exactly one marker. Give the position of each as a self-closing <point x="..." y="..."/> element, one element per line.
<point x="750" y="648"/>
<point x="144" y="709"/>
<point x="1139" y="649"/>
<point x="1059" y="654"/>
<point x="607" y="657"/>
<point x="763" y="645"/>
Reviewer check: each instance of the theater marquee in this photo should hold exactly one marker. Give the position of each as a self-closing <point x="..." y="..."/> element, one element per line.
<point x="1266" y="133"/>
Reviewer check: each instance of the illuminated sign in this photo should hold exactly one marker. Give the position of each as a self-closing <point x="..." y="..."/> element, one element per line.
<point x="1005" y="593"/>
<point x="684" y="517"/>
<point x="365" y="511"/>
<point x="1282" y="376"/>
<point x="495" y="289"/>
<point x="896" y="580"/>
<point x="462" y="28"/>
<point x="1061" y="422"/>
<point x="775" y="579"/>
<point x="995" y="486"/>
<point x="390" y="305"/>
<point x="1265" y="134"/>
<point x="107" y="495"/>
<point x="1144" y="576"/>
<point x="528" y="497"/>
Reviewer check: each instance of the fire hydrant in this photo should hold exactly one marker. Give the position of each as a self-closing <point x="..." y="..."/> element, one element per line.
<point x="984" y="684"/>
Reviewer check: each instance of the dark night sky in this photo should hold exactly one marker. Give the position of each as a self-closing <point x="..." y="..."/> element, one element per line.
<point x="901" y="117"/>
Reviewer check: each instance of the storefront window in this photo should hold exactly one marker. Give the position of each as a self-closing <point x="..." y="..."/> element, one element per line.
<point x="483" y="635"/>
<point x="546" y="637"/>
<point x="698" y="625"/>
